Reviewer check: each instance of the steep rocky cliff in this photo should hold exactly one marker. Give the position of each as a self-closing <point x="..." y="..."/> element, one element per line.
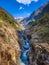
<point x="38" y="35"/>
<point x="9" y="46"/>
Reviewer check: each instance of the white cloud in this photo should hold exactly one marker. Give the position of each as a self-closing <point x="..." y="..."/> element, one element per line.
<point x="26" y="1"/>
<point x="15" y="18"/>
<point x="18" y="17"/>
<point x="21" y="8"/>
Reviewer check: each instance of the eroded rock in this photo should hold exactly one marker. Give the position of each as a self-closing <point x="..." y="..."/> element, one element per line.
<point x="39" y="54"/>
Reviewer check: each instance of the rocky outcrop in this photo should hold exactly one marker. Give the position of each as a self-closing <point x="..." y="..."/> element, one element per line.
<point x="9" y="46"/>
<point x="39" y="54"/>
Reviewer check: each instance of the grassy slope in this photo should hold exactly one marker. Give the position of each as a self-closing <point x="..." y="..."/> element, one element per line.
<point x="9" y="19"/>
<point x="9" y="46"/>
<point x="41" y="26"/>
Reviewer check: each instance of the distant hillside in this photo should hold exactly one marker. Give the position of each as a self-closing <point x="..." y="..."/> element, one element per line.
<point x="19" y="19"/>
<point x="9" y="46"/>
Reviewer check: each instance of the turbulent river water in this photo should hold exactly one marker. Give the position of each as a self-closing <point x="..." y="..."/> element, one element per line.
<point x="24" y="49"/>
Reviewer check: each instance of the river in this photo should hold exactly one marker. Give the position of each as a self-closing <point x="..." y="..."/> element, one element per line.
<point x="24" y="49"/>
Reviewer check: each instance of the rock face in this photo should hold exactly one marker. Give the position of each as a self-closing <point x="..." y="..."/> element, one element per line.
<point x="38" y="32"/>
<point x="39" y="54"/>
<point x="9" y="46"/>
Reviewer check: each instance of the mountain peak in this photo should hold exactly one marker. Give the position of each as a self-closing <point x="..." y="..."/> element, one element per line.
<point x="46" y="4"/>
<point x="38" y="13"/>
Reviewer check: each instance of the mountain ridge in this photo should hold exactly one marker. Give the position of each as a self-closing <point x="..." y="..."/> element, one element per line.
<point x="37" y="13"/>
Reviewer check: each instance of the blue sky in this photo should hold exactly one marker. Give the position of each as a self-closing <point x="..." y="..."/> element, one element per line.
<point x="21" y="8"/>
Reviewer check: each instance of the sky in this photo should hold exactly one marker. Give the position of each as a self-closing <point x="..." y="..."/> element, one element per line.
<point x="21" y="8"/>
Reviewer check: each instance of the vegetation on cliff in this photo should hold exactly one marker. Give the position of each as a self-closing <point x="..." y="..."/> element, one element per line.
<point x="9" y="46"/>
<point x="41" y="27"/>
<point x="39" y="41"/>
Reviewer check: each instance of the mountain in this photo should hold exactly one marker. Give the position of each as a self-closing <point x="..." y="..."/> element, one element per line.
<point x="19" y="19"/>
<point x="24" y="20"/>
<point x="9" y="46"/>
<point x="40" y="24"/>
<point x="37" y="31"/>
<point x="36" y="14"/>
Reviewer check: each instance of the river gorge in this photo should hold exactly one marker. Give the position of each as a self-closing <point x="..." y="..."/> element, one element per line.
<point x="25" y="47"/>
